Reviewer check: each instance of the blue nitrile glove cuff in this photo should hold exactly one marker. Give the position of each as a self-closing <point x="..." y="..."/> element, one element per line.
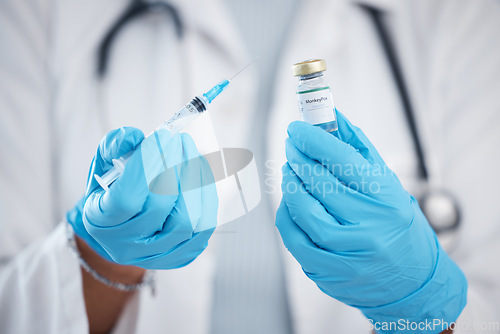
<point x="74" y="218"/>
<point x="433" y="307"/>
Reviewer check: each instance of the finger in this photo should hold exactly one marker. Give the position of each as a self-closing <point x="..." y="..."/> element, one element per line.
<point x="198" y="186"/>
<point x="127" y="196"/>
<point x="118" y="142"/>
<point x="114" y="145"/>
<point x="170" y="218"/>
<point x="157" y="151"/>
<point x="351" y="173"/>
<point x="340" y="158"/>
<point x="128" y="193"/>
<point x="122" y="201"/>
<point x="180" y="256"/>
<point x="162" y="155"/>
<point x="74" y="217"/>
<point x="313" y="259"/>
<point x="177" y="222"/>
<point x="176" y="228"/>
<point x="353" y="136"/>
<point x="190" y="181"/>
<point x="180" y="222"/>
<point x="209" y="198"/>
<point x="310" y="215"/>
<point x="171" y="147"/>
<point x="346" y="202"/>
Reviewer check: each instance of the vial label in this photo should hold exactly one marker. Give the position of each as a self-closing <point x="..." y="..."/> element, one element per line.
<point x="316" y="106"/>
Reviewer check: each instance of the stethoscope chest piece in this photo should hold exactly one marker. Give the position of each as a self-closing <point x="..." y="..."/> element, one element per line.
<point x="441" y="210"/>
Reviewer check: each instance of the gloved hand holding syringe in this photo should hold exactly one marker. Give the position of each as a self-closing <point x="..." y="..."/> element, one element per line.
<point x="174" y="124"/>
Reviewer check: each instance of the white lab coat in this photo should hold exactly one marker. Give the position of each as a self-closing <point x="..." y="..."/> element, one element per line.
<point x="54" y="114"/>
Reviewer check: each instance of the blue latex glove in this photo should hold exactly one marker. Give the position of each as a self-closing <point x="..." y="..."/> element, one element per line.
<point x="151" y="217"/>
<point x="359" y="235"/>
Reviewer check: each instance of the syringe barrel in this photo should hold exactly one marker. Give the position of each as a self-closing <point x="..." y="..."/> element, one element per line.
<point x="185" y="115"/>
<point x="173" y="125"/>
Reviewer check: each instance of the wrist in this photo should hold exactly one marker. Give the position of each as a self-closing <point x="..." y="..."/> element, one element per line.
<point x="434" y="307"/>
<point x="112" y="271"/>
<point x="107" y="286"/>
<point x="74" y="218"/>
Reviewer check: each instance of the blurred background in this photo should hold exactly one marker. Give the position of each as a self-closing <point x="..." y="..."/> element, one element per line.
<point x="419" y="78"/>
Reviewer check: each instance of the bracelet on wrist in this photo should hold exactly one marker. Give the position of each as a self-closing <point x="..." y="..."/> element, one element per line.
<point x="147" y="281"/>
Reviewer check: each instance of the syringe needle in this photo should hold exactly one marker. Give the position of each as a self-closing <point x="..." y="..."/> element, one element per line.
<point x="244" y="68"/>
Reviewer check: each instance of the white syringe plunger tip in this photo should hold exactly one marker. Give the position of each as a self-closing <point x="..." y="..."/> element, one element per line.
<point x="101" y="182"/>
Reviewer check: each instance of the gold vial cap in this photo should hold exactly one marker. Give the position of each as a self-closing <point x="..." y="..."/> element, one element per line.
<point x="309" y="67"/>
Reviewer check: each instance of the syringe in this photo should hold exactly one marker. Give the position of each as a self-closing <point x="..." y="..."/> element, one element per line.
<point x="174" y="125"/>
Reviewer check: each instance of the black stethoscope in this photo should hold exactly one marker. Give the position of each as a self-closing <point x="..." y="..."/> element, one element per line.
<point x="439" y="206"/>
<point x="135" y="9"/>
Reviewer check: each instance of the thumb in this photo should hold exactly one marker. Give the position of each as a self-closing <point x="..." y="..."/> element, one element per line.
<point x="353" y="136"/>
<point x="116" y="205"/>
<point x="115" y="144"/>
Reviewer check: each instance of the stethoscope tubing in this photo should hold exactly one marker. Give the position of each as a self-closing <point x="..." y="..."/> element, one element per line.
<point x="376" y="17"/>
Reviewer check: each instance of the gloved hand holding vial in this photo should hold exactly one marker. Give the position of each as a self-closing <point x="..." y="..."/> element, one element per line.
<point x="353" y="228"/>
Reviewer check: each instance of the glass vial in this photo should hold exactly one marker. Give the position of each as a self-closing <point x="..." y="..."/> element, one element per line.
<point x="313" y="93"/>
